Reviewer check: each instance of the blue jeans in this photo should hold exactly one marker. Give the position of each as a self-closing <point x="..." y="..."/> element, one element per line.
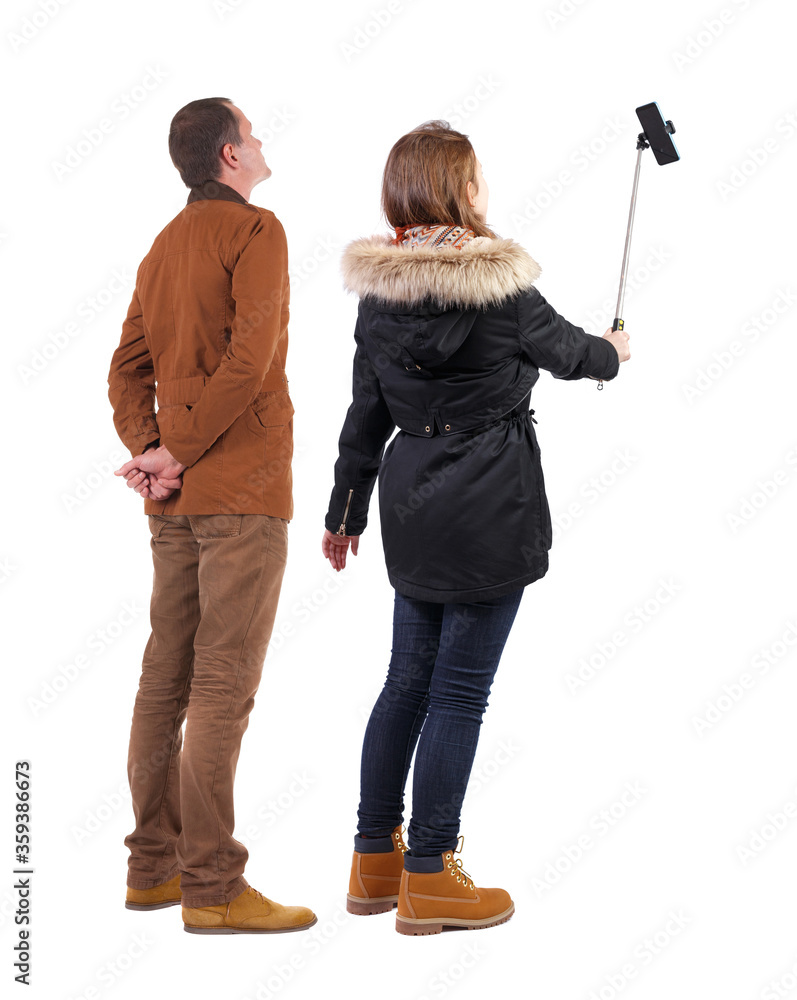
<point x="443" y="661"/>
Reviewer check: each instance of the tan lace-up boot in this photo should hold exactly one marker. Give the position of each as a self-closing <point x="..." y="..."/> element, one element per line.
<point x="430" y="901"/>
<point x="165" y="894"/>
<point x="249" y="913"/>
<point x="376" y="876"/>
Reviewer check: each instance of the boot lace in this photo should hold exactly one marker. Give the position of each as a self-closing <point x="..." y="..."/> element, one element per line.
<point x="454" y="866"/>
<point x="399" y="835"/>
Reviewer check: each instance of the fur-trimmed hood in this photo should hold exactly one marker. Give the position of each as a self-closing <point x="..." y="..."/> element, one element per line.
<point x="482" y="273"/>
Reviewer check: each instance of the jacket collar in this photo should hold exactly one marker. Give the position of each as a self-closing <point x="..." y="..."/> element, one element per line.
<point x="215" y="190"/>
<point x="483" y="272"/>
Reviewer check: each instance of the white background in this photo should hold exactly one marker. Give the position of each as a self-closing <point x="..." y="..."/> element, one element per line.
<point x="706" y="434"/>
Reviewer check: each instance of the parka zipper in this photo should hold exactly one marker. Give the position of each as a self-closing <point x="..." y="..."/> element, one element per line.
<point x="342" y="529"/>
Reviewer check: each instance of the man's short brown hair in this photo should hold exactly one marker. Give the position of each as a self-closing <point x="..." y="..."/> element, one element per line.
<point x="197" y="135"/>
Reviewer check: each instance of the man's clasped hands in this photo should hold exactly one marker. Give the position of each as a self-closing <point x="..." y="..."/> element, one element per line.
<point x="155" y="474"/>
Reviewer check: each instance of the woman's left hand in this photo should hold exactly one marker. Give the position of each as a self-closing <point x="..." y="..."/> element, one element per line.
<point x="335" y="548"/>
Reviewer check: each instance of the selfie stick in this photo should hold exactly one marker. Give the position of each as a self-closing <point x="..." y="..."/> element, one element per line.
<point x="656" y="135"/>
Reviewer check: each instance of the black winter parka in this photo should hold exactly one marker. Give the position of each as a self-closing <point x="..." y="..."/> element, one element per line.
<point x="449" y="343"/>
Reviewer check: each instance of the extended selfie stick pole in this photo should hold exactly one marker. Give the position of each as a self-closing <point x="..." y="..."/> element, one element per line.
<point x="618" y="323"/>
<point x="665" y="152"/>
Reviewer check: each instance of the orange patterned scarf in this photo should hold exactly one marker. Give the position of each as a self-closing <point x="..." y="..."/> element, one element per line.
<point x="433" y="236"/>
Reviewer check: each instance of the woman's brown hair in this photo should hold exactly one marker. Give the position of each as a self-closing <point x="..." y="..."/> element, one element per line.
<point x="425" y="180"/>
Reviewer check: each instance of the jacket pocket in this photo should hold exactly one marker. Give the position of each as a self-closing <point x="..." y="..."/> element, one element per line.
<point x="273" y="409"/>
<point x="167" y="415"/>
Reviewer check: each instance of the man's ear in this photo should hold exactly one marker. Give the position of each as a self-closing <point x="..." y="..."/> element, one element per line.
<point x="228" y="155"/>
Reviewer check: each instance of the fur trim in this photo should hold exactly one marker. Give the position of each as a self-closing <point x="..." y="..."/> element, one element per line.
<point x="482" y="273"/>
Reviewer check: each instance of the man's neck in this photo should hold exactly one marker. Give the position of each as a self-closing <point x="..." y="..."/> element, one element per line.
<point x="243" y="187"/>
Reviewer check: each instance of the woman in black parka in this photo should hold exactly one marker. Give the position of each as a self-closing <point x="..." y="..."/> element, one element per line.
<point x="450" y="337"/>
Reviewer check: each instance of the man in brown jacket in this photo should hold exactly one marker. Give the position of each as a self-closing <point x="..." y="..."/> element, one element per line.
<point x="206" y="336"/>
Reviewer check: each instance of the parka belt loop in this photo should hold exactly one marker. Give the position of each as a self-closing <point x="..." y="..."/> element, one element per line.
<point x="175" y="391"/>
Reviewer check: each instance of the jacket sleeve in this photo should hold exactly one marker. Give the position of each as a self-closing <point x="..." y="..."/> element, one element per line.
<point x="366" y="429"/>
<point x="261" y="293"/>
<point x="131" y="384"/>
<point x="565" y="350"/>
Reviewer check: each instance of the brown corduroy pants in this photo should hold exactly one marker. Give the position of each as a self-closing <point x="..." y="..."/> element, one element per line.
<point x="216" y="586"/>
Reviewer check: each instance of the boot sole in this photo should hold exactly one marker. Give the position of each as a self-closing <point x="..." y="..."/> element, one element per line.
<point x="152" y="906"/>
<point x="365" y="907"/>
<point x="435" y="925"/>
<point x="247" y="930"/>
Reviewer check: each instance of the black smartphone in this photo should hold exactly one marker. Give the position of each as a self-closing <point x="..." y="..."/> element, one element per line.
<point x="657" y="133"/>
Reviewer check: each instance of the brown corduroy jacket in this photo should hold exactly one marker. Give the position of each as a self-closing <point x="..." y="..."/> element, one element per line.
<point x="206" y="336"/>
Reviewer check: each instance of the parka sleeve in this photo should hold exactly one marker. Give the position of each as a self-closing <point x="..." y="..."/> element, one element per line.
<point x="260" y="290"/>
<point x="131" y="384"/>
<point x="565" y="350"/>
<point x="366" y="429"/>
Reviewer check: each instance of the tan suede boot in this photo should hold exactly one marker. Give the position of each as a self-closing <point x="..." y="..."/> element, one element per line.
<point x="430" y="901"/>
<point x="165" y="894"/>
<point x="249" y="913"/>
<point x="375" y="878"/>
